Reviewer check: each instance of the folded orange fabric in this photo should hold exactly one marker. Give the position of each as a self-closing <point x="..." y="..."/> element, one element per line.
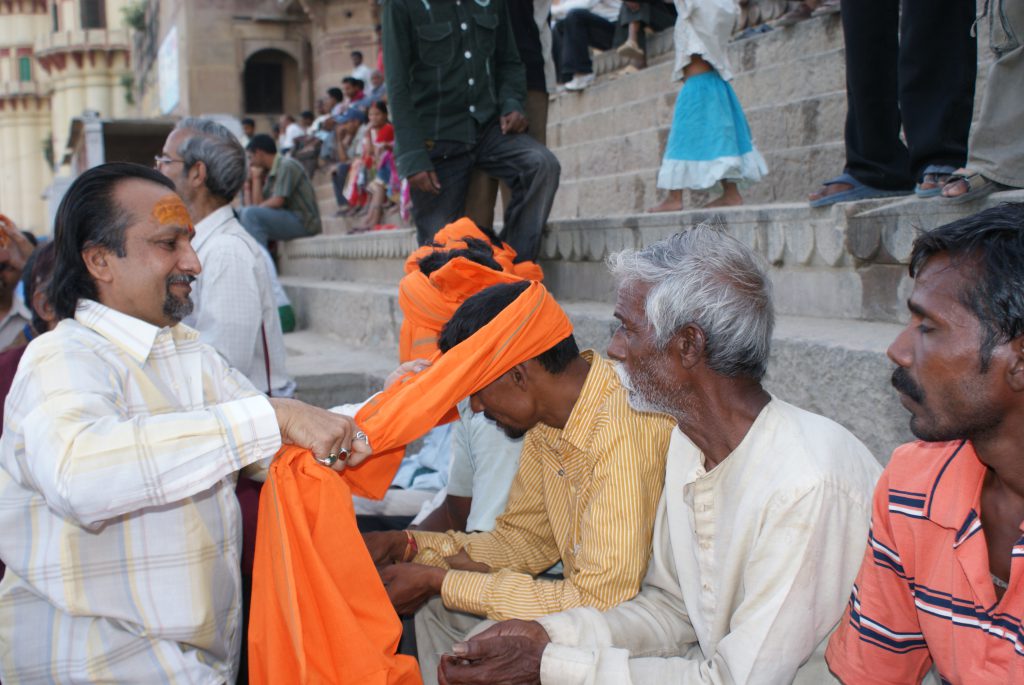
<point x="428" y="302"/>
<point x="532" y="324"/>
<point x="319" y="611"/>
<point x="452" y="237"/>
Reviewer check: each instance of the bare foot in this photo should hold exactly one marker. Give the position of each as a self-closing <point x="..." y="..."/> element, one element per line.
<point x="723" y="201"/>
<point x="673" y="202"/>
<point x="830" y="189"/>
<point x="955" y="187"/>
<point x="730" y="196"/>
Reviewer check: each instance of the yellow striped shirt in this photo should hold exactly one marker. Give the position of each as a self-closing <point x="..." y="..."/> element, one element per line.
<point x="121" y="529"/>
<point x="585" y="495"/>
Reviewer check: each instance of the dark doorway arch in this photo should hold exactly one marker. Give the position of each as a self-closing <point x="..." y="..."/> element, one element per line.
<point x="270" y="82"/>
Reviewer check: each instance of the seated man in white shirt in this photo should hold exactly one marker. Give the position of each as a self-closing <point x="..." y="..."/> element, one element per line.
<point x="764" y="511"/>
<point x="235" y="308"/>
<point x="123" y="437"/>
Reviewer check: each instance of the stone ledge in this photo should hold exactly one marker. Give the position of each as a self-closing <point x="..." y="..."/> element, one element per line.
<point x="833" y="367"/>
<point x="328" y="372"/>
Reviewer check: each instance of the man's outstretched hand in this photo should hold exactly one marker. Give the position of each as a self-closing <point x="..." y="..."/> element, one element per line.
<point x="319" y="431"/>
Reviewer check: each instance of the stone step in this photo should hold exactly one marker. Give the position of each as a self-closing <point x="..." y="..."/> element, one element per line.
<point x="611" y="137"/>
<point x="328" y="372"/>
<point x="847" y="261"/>
<point x="834" y="367"/>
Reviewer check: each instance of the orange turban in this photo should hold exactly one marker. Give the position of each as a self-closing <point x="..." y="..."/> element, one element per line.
<point x="452" y="237"/>
<point x="319" y="611"/>
<point x="428" y="302"/>
<point x="532" y="324"/>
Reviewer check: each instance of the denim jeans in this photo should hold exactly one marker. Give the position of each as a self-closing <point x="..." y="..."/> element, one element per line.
<point x="265" y="224"/>
<point x="530" y="170"/>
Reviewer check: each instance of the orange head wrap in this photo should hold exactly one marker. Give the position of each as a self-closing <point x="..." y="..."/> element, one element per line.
<point x="428" y="302"/>
<point x="452" y="237"/>
<point x="531" y="325"/>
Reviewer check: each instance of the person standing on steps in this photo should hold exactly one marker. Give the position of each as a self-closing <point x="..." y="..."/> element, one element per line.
<point x="910" y="74"/>
<point x="456" y="87"/>
<point x="710" y="141"/>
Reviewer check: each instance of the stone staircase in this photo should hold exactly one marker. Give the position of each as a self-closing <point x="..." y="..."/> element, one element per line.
<point x="340" y="225"/>
<point x="839" y="273"/>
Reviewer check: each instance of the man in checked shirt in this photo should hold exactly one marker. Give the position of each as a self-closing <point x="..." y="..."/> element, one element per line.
<point x="123" y="438"/>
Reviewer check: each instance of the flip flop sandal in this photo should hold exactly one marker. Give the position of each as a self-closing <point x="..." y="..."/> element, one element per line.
<point x="940" y="174"/>
<point x="978" y="187"/>
<point x="859" y="191"/>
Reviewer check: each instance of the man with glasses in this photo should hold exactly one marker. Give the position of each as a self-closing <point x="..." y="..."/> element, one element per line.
<point x="235" y="310"/>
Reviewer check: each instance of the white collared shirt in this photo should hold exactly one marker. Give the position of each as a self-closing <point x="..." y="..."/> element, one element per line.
<point x="233" y="297"/>
<point x="13" y="322"/>
<point x="121" y="529"/>
<point x="752" y="567"/>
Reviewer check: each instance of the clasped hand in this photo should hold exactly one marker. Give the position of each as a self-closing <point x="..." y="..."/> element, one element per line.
<point x="507" y="653"/>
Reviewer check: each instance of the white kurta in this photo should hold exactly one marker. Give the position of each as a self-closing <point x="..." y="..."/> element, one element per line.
<point x="752" y="567"/>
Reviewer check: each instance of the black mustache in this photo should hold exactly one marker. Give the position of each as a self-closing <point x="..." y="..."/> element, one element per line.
<point x="902" y="382"/>
<point x="181" y="278"/>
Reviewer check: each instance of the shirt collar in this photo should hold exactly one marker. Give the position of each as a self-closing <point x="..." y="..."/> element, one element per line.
<point x="18" y="309"/>
<point x="955" y="493"/>
<point x="580" y="427"/>
<point x="210" y="223"/>
<point x="275" y="165"/>
<point x="134" y="336"/>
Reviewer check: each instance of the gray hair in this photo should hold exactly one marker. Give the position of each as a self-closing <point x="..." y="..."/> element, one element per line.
<point x="708" y="278"/>
<point x="217" y="148"/>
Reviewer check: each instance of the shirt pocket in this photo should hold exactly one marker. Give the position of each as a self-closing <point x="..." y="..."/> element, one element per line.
<point x="435" y="43"/>
<point x="1003" y="36"/>
<point x="486" y="34"/>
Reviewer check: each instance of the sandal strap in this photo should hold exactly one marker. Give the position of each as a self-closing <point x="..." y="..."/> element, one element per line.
<point x="843" y="178"/>
<point x="966" y="178"/>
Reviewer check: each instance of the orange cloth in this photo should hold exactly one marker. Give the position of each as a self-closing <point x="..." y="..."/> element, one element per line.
<point x="452" y="237"/>
<point x="531" y="325"/>
<point x="428" y="302"/>
<point x="319" y="611"/>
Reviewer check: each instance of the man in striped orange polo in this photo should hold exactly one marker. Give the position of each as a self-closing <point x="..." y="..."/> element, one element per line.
<point x="941" y="582"/>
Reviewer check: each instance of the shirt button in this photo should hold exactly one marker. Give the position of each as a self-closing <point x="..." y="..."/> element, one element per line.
<point x="468" y="54"/>
<point x="707" y="588"/>
<point x="472" y="81"/>
<point x="464" y="26"/>
<point x="472" y="108"/>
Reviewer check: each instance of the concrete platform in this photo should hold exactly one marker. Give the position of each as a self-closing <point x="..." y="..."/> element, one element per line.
<point x="329" y="372"/>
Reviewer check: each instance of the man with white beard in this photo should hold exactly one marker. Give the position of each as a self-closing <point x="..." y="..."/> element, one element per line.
<point x="765" y="508"/>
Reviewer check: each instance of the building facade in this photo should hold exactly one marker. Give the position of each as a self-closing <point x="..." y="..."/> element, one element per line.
<point x="71" y="70"/>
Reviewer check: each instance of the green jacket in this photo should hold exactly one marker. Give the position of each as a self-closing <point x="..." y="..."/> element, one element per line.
<point x="452" y="67"/>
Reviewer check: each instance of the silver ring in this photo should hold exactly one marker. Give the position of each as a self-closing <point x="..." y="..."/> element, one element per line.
<point x="344" y="454"/>
<point x="360" y="435"/>
<point x="329" y="460"/>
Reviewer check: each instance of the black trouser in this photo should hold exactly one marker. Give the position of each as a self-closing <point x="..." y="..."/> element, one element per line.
<point x="530" y="170"/>
<point x="657" y="16"/>
<point x="916" y="69"/>
<point x="572" y="39"/>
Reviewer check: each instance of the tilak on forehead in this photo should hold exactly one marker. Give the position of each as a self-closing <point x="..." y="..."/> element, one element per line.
<point x="170" y="211"/>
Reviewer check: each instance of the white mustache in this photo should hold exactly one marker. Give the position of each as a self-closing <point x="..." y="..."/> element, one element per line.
<point x="181" y="278"/>
<point x="623" y="376"/>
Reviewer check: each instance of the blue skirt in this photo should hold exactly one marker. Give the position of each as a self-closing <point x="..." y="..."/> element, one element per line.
<point x="710" y="139"/>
